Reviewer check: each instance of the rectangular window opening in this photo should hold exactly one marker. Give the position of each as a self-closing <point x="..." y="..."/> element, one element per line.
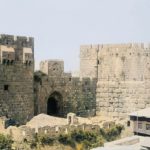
<point x="6" y="87"/>
<point x="147" y="126"/>
<point x="140" y="125"/>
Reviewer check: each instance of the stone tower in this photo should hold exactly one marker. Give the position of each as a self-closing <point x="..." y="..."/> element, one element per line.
<point x="16" y="77"/>
<point x="53" y="67"/>
<point x="89" y="61"/>
<point x="123" y="78"/>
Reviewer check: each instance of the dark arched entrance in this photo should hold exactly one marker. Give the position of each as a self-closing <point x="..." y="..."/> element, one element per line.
<point x="55" y="104"/>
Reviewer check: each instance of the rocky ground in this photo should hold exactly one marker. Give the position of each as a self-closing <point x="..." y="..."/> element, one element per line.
<point x="42" y="120"/>
<point x="46" y="120"/>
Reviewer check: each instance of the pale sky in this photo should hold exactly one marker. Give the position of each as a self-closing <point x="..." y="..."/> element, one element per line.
<point x="61" y="26"/>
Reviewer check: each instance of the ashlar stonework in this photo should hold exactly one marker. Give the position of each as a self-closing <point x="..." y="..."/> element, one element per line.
<point x="114" y="80"/>
<point x="16" y="77"/>
<point x="123" y="76"/>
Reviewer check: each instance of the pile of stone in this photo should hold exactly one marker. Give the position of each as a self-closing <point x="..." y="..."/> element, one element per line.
<point x="42" y="120"/>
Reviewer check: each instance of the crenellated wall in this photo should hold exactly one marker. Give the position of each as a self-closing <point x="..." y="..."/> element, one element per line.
<point x="16" y="77"/>
<point x="52" y="68"/>
<point x="71" y="94"/>
<point x="124" y="79"/>
<point x="114" y="80"/>
<point x="123" y="71"/>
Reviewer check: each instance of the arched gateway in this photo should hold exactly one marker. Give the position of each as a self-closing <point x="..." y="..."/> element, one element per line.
<point x="55" y="104"/>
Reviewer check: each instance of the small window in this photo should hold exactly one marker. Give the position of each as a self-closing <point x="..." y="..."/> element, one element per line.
<point x="34" y="90"/>
<point x="128" y="123"/>
<point x="69" y="79"/>
<point x="69" y="120"/>
<point x="140" y="125"/>
<point x="6" y="87"/>
<point x="7" y="62"/>
<point x="12" y="62"/>
<point x="26" y="62"/>
<point x="147" y="126"/>
<point x="29" y="63"/>
<point x="4" y="61"/>
<point x="98" y="62"/>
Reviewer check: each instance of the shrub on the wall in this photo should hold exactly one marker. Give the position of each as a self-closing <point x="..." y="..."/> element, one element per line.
<point x="112" y="133"/>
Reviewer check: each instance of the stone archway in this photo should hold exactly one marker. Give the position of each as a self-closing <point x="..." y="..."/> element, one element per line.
<point x="55" y="104"/>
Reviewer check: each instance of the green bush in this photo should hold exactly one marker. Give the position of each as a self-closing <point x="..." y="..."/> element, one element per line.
<point x="78" y="138"/>
<point x="5" y="142"/>
<point x="38" y="76"/>
<point x="41" y="140"/>
<point x="89" y="139"/>
<point x="33" y="144"/>
<point x="66" y="140"/>
<point x="46" y="140"/>
<point x="35" y="141"/>
<point x="120" y="128"/>
<point x="112" y="133"/>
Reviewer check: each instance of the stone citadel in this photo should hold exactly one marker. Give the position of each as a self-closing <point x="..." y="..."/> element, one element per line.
<point x="114" y="80"/>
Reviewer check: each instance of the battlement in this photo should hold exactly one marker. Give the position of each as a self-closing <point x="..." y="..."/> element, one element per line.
<point x="82" y="47"/>
<point x="127" y="45"/>
<point x="16" y="49"/>
<point x="16" y="74"/>
<point x="52" y="67"/>
<point x="121" y="45"/>
<point x="52" y="60"/>
<point x="10" y="40"/>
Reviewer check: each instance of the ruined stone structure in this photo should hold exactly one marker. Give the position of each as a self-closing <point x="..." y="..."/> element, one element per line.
<point x="114" y="80"/>
<point x="16" y="77"/>
<point x="123" y="76"/>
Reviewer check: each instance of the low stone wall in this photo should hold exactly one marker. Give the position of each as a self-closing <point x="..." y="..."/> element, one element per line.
<point x="29" y="133"/>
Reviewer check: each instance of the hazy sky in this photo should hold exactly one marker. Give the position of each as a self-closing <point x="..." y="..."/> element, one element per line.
<point x="61" y="26"/>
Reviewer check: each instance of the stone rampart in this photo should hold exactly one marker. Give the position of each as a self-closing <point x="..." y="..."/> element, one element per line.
<point x="75" y="94"/>
<point x="16" y="77"/>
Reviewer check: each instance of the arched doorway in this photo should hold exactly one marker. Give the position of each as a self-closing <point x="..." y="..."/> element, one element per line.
<point x="55" y="104"/>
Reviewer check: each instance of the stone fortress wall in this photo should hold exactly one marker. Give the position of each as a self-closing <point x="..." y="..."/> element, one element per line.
<point x="16" y="77"/>
<point x="24" y="93"/>
<point x="89" y="61"/>
<point x="123" y="76"/>
<point x="69" y="94"/>
<point x="114" y="80"/>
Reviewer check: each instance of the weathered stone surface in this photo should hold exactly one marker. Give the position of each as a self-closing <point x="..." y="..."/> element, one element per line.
<point x="123" y="76"/>
<point x="16" y="77"/>
<point x="70" y="94"/>
<point x="114" y="80"/>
